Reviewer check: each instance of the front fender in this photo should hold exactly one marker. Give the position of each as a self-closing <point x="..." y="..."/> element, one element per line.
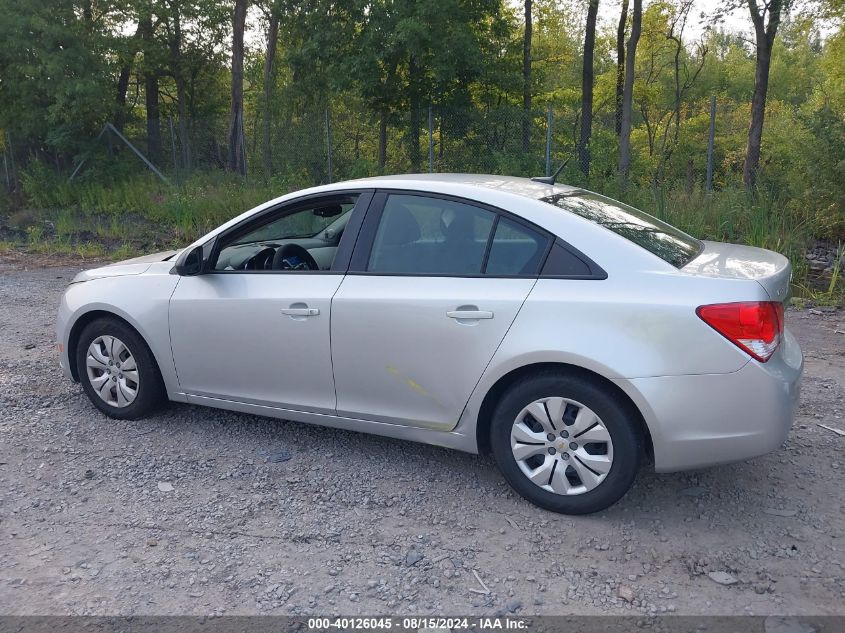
<point x="140" y="300"/>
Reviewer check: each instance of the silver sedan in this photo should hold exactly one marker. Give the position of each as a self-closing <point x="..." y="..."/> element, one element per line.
<point x="572" y="336"/>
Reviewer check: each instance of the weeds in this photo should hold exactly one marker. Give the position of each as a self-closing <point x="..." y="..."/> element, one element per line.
<point x="35" y="235"/>
<point x="141" y="214"/>
<point x="837" y="266"/>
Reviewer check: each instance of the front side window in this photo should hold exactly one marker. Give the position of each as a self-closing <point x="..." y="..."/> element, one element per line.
<point x="659" y="238"/>
<point x="422" y="235"/>
<point x="305" y="238"/>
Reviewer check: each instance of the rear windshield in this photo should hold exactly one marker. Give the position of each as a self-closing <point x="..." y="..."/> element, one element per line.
<point x="664" y="240"/>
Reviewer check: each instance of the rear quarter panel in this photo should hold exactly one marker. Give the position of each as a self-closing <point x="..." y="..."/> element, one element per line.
<point x="634" y="324"/>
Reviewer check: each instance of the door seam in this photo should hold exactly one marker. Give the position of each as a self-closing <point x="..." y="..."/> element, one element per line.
<point x="331" y="344"/>
<point x="493" y="355"/>
<point x="170" y="334"/>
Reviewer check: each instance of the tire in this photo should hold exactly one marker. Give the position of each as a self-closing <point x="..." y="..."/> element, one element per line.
<point x="594" y="474"/>
<point x="129" y="396"/>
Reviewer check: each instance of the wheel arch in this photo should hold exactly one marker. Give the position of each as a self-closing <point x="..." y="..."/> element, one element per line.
<point x="88" y="317"/>
<point x="498" y="389"/>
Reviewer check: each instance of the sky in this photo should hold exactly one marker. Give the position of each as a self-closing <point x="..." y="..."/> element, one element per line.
<point x="738" y="21"/>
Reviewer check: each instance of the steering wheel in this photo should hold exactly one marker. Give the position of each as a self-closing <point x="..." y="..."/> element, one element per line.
<point x="262" y="260"/>
<point x="293" y="257"/>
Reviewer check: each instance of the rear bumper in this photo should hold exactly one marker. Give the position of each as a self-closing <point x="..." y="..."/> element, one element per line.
<point x="704" y="420"/>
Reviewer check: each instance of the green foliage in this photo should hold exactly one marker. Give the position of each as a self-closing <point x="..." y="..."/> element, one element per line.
<point x="55" y="75"/>
<point x="380" y="65"/>
<point x="141" y="210"/>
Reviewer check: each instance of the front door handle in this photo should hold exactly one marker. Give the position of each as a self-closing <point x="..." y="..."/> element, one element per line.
<point x="301" y="312"/>
<point x="469" y="314"/>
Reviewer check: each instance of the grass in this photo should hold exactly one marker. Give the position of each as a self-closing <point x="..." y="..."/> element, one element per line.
<point x="141" y="214"/>
<point x="837" y="266"/>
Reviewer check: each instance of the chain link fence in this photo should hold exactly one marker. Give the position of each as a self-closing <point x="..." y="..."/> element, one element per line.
<point x="309" y="146"/>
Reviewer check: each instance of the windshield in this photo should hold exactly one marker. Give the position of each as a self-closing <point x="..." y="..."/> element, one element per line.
<point x="299" y="225"/>
<point x="664" y="240"/>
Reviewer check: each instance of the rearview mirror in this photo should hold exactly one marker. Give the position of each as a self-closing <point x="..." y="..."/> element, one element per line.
<point x="191" y="263"/>
<point x="328" y="211"/>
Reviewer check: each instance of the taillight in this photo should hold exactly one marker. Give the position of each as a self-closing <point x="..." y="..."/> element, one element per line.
<point x="754" y="326"/>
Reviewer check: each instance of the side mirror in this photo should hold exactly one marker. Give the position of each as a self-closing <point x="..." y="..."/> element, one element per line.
<point x="190" y="263"/>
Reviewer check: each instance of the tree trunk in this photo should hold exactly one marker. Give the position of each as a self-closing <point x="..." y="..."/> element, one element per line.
<point x="628" y="92"/>
<point x="587" y="89"/>
<point x="620" y="63"/>
<point x="153" y="119"/>
<point x="184" y="136"/>
<point x="236" y="160"/>
<point x="414" y="128"/>
<point x="120" y="97"/>
<point x="124" y="77"/>
<point x="765" y="38"/>
<point x="151" y="94"/>
<point x="382" y="141"/>
<point x="176" y="69"/>
<point x="526" y="78"/>
<point x="679" y="47"/>
<point x="269" y="61"/>
<point x="758" y="113"/>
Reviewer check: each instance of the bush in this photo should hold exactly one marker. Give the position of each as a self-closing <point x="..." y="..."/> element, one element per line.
<point x="143" y="213"/>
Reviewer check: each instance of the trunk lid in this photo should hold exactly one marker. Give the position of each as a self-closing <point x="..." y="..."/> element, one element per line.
<point x="733" y="261"/>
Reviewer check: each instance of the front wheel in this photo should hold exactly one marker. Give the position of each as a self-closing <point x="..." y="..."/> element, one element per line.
<point x="117" y="370"/>
<point x="566" y="443"/>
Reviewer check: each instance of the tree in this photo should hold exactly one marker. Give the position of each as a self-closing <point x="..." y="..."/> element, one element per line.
<point x="237" y="150"/>
<point x="680" y="86"/>
<point x="151" y="74"/>
<point x="409" y="54"/>
<point x="269" y="64"/>
<point x="56" y="88"/>
<point x="587" y="89"/>
<point x="668" y="70"/>
<point x="766" y="20"/>
<point x="526" y="78"/>
<point x="175" y="45"/>
<point x="628" y="92"/>
<point x="127" y="57"/>
<point x="620" y="63"/>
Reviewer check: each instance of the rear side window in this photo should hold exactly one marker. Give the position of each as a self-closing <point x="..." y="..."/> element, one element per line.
<point x="421" y="235"/>
<point x="561" y="262"/>
<point x="664" y="240"/>
<point x="515" y="250"/>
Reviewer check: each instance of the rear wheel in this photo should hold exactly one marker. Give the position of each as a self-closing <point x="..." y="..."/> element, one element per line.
<point x="565" y="443"/>
<point x="118" y="371"/>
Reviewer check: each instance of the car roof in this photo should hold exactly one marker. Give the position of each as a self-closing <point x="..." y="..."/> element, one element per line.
<point x="507" y="184"/>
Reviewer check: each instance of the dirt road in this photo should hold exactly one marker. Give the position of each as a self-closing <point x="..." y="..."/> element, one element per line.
<point x="276" y="517"/>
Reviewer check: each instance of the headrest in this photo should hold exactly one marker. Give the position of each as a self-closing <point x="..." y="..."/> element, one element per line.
<point x="456" y="225"/>
<point x="400" y="227"/>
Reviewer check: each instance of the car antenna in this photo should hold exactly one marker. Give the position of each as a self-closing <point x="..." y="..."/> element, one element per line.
<point x="550" y="180"/>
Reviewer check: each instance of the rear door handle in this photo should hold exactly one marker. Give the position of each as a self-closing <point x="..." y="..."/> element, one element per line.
<point x="469" y="314"/>
<point x="302" y="312"/>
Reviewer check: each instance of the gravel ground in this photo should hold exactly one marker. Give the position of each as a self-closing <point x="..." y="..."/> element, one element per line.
<point x="198" y="511"/>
